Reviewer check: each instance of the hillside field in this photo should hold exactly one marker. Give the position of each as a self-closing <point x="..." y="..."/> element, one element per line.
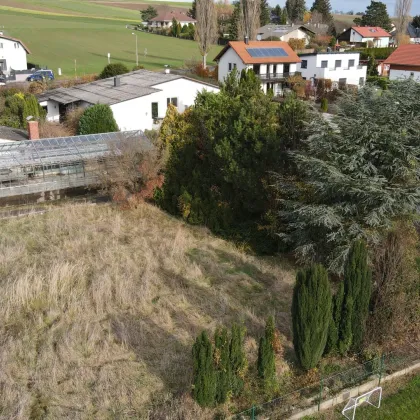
<point x="100" y="306"/>
<point x="58" y="39"/>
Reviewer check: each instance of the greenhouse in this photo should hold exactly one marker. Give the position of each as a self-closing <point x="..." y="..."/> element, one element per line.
<point x="30" y="167"/>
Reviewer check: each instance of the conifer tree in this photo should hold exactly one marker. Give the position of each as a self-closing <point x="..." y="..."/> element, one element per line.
<point x="283" y="18"/>
<point x="204" y="377"/>
<point x="264" y="13"/>
<point x="266" y="357"/>
<point x="311" y="315"/>
<point x="295" y="10"/>
<point x="223" y="366"/>
<point x="324" y="8"/>
<point x="193" y="11"/>
<point x="238" y="362"/>
<point x="334" y="328"/>
<point x="376" y="15"/>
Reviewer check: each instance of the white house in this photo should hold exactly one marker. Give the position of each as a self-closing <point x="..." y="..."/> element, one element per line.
<point x="13" y="54"/>
<point x="361" y="35"/>
<point x="272" y="61"/>
<point x="164" y="19"/>
<point x="137" y="99"/>
<point x="342" y="68"/>
<point x="404" y="62"/>
<point x="286" y="32"/>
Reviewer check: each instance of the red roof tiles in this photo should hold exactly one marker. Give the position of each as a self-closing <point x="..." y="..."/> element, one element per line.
<point x="405" y="55"/>
<point x="371" y="31"/>
<point x="241" y="49"/>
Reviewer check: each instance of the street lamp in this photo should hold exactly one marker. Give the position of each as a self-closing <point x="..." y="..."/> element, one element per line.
<point x="137" y="50"/>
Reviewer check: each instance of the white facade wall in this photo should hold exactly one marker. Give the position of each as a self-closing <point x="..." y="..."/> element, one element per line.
<point x="355" y="37"/>
<point x="167" y="24"/>
<point x="14" y="54"/>
<point x="230" y="57"/>
<point x="404" y="74"/>
<point x="136" y="114"/>
<point x="352" y="75"/>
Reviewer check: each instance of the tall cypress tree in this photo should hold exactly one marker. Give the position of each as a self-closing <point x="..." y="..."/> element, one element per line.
<point x="204" y="377"/>
<point x="266" y="362"/>
<point x="238" y="362"/>
<point x="357" y="292"/>
<point x="264" y="13"/>
<point x="324" y="8"/>
<point x="222" y="362"/>
<point x="311" y="315"/>
<point x="295" y="10"/>
<point x="192" y="12"/>
<point x="334" y="329"/>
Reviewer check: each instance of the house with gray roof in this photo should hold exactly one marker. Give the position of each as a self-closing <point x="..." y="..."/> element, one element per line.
<point x="285" y="32"/>
<point x="138" y="99"/>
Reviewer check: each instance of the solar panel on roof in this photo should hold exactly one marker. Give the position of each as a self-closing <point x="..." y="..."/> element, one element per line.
<point x="267" y="52"/>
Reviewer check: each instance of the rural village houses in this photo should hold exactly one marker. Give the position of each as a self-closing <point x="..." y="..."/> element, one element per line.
<point x="137" y="99"/>
<point x="286" y="32"/>
<point x="359" y="36"/>
<point x="404" y="62"/>
<point x="272" y="61"/>
<point x="13" y="54"/>
<point x="164" y="19"/>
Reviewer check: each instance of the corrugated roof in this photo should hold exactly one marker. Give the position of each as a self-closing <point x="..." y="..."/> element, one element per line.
<point x="16" y="40"/>
<point x="405" y="55"/>
<point x="281" y="30"/>
<point x="371" y="31"/>
<point x="132" y="85"/>
<point x="241" y="47"/>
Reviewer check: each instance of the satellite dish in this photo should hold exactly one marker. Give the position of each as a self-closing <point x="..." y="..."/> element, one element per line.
<point x="258" y="37"/>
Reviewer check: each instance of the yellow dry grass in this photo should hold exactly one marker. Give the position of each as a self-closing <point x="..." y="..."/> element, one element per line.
<point x="99" y="308"/>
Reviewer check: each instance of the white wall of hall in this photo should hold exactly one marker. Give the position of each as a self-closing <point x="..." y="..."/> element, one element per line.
<point x="14" y="54"/>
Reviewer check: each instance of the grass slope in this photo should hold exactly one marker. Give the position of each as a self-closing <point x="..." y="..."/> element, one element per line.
<point x="56" y="41"/>
<point x="99" y="309"/>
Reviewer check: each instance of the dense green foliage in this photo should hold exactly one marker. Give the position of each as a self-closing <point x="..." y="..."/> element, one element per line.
<point x="324" y="105"/>
<point x="204" y="375"/>
<point x="113" y="69"/>
<point x="223" y="365"/>
<point x="264" y="13"/>
<point x="295" y="10"/>
<point x="148" y="13"/>
<point x="382" y="82"/>
<point x="238" y="362"/>
<point x="192" y="12"/>
<point x="266" y="363"/>
<point x="220" y="160"/>
<point x="323" y="7"/>
<point x="376" y="15"/>
<point x="97" y="119"/>
<point x="356" y="177"/>
<point x="18" y="107"/>
<point x="311" y="315"/>
<point x="380" y="53"/>
<point x="335" y="322"/>
<point x="416" y="21"/>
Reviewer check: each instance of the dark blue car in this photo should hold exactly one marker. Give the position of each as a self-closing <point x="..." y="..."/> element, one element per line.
<point x="40" y="75"/>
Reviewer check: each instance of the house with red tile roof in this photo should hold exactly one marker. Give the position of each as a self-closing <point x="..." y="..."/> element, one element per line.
<point x="13" y="54"/>
<point x="404" y="62"/>
<point x="164" y="19"/>
<point x="272" y="61"/>
<point x="363" y="35"/>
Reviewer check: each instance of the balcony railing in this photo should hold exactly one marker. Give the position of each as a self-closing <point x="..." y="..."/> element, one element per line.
<point x="273" y="76"/>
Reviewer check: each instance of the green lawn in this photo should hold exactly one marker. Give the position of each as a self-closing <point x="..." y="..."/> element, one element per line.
<point x="404" y="405"/>
<point x="56" y="41"/>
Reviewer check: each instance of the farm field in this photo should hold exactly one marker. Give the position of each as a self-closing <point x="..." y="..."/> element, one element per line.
<point x="57" y="41"/>
<point x="98" y="318"/>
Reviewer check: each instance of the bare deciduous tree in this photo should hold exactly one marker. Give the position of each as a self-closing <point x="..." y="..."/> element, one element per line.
<point x="206" y="28"/>
<point x="250" y="18"/>
<point x="402" y="14"/>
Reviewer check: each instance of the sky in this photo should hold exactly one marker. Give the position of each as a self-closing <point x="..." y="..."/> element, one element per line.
<point x="356" y="5"/>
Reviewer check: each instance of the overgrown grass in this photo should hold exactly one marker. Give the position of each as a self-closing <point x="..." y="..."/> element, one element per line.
<point x="99" y="309"/>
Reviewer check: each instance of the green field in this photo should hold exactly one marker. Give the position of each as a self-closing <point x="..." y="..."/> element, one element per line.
<point x="57" y="41"/>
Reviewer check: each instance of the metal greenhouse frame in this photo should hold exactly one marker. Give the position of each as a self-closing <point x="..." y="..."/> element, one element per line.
<point x="29" y="167"/>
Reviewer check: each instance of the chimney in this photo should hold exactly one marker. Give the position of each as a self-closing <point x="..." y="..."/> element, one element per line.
<point x="246" y="40"/>
<point x="117" y="81"/>
<point x="33" y="130"/>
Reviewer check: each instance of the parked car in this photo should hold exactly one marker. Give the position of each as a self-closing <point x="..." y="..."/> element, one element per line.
<point x="41" y="75"/>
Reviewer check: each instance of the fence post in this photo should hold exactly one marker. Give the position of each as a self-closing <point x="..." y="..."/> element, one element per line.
<point x="321" y="386"/>
<point x="253" y="413"/>
<point x="381" y="368"/>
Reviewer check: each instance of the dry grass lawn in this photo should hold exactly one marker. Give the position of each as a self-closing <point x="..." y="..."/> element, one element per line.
<point x="99" y="308"/>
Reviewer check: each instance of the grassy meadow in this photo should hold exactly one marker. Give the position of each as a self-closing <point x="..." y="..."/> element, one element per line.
<point x="100" y="306"/>
<point x="57" y="38"/>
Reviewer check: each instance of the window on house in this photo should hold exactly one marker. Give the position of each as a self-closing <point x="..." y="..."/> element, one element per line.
<point x="230" y="66"/>
<point x="173" y="101"/>
<point x="234" y="65"/>
<point x="324" y="64"/>
<point x="361" y="81"/>
<point x="304" y="64"/>
<point x="155" y="110"/>
<point x="342" y="83"/>
<point x="351" y="63"/>
<point x="15" y="45"/>
<point x="337" y="64"/>
<point x="1" y="45"/>
<point x="412" y="74"/>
